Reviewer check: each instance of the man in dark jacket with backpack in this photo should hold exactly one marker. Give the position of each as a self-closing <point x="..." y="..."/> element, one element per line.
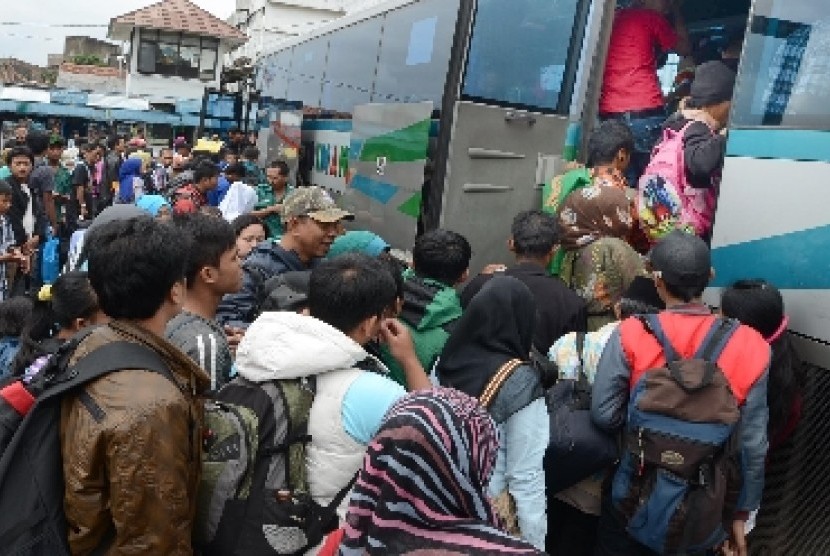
<point x="311" y="219"/>
<point x="131" y="440"/>
<point x="648" y="379"/>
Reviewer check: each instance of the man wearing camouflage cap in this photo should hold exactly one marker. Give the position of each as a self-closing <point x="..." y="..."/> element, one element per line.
<point x="311" y="220"/>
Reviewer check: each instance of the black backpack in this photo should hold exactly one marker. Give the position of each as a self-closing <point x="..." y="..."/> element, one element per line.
<point x="254" y="495"/>
<point x="32" y="519"/>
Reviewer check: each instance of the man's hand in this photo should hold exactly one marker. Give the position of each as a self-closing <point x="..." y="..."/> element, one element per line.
<point x="31" y="245"/>
<point x="736" y="545"/>
<point x="397" y="338"/>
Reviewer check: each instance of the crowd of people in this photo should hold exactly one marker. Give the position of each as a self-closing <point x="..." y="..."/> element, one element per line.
<point x="223" y="367"/>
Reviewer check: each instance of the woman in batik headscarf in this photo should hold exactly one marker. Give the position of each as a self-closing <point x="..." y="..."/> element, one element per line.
<point x="422" y="486"/>
<point x="599" y="264"/>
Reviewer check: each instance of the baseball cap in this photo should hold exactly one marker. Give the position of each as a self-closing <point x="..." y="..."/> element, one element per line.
<point x="714" y="82"/>
<point x="315" y="203"/>
<point x="682" y="259"/>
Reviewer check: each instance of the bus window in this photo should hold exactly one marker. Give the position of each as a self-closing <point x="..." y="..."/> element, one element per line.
<point x="349" y="78"/>
<point x="519" y="52"/>
<point x="785" y="71"/>
<point x="308" y="64"/>
<point x="415" y="52"/>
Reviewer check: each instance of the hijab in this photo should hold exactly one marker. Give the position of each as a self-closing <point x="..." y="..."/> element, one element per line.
<point x="496" y="327"/>
<point x="423" y="482"/>
<point x="152" y="204"/>
<point x="594" y="212"/>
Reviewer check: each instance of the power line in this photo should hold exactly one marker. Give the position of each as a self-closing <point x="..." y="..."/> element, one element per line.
<point x="73" y="25"/>
<point x="40" y="38"/>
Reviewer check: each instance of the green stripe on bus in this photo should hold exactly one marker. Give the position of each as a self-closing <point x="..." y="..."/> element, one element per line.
<point x="403" y="145"/>
<point x="412" y="207"/>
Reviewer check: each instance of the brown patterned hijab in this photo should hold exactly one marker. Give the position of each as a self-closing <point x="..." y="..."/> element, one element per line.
<point x="591" y="213"/>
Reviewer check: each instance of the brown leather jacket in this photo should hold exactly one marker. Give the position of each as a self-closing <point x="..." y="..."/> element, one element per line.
<point x="131" y="444"/>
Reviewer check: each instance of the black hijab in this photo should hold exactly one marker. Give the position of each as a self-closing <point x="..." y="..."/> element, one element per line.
<point x="496" y="327"/>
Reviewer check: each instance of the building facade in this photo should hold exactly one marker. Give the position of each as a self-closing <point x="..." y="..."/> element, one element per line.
<point x="269" y="22"/>
<point x="176" y="51"/>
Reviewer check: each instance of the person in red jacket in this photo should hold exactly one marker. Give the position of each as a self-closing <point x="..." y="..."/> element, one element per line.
<point x="631" y="92"/>
<point x="681" y="266"/>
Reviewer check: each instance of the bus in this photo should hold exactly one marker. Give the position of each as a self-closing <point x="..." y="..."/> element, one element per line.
<point x="421" y="114"/>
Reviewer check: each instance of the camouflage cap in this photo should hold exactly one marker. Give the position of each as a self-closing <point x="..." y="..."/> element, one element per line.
<point x="315" y="203"/>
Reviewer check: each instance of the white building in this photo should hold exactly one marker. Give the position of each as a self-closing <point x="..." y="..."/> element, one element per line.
<point x="269" y="22"/>
<point x="176" y="50"/>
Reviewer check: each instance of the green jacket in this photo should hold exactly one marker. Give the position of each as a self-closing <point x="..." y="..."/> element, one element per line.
<point x="430" y="310"/>
<point x="553" y="194"/>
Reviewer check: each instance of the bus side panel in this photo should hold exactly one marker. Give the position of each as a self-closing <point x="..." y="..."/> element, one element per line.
<point x="386" y="160"/>
<point x="771" y="224"/>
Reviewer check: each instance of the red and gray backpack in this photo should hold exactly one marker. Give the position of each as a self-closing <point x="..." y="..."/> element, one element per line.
<point x="679" y="477"/>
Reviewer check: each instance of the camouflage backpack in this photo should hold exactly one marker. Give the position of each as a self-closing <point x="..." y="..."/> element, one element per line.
<point x="254" y="496"/>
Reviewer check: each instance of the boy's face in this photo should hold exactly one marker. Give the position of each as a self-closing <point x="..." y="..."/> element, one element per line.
<point x="231" y="158"/>
<point x="5" y="203"/>
<point x="227" y="277"/>
<point x="54" y="153"/>
<point x="21" y="167"/>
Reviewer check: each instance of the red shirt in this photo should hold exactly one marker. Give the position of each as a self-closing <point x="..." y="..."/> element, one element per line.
<point x="630" y="80"/>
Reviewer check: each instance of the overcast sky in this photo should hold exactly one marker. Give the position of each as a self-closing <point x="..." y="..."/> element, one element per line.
<point x="35" y="39"/>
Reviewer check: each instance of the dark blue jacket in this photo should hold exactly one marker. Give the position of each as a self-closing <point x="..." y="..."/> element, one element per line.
<point x="267" y="260"/>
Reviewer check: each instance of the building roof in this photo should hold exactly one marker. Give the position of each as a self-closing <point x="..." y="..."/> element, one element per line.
<point x="175" y="15"/>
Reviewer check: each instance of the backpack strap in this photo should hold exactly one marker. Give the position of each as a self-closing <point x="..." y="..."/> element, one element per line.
<point x="115" y="356"/>
<point x="341" y="495"/>
<point x="716" y="339"/>
<point x="492" y="389"/>
<point x="652" y="325"/>
<point x="581" y="377"/>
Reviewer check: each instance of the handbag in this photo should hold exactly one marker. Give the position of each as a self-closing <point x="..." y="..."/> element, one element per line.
<point x="577" y="448"/>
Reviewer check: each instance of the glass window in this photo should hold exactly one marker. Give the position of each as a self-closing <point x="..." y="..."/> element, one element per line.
<point x="207" y="64"/>
<point x="273" y="74"/>
<point x="785" y="69"/>
<point x="175" y="54"/>
<point x="308" y="63"/>
<point x="415" y="52"/>
<point x="348" y="79"/>
<point x="519" y="52"/>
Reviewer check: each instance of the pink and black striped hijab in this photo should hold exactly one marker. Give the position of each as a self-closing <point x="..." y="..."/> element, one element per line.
<point x="423" y="482"/>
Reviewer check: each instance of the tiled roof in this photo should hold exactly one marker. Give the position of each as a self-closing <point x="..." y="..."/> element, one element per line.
<point x="178" y="15"/>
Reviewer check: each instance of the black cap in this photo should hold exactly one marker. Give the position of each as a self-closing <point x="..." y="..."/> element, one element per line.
<point x="682" y="259"/>
<point x="714" y="83"/>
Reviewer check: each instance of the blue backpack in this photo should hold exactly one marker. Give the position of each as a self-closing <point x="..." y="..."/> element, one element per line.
<point x="679" y="477"/>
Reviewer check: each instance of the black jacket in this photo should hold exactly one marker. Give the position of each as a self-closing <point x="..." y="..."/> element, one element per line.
<point x="267" y="260"/>
<point x="703" y="151"/>
<point x="558" y="309"/>
<point x="20" y="202"/>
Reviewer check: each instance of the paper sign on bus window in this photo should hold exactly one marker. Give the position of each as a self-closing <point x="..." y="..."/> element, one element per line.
<point x="421" y="42"/>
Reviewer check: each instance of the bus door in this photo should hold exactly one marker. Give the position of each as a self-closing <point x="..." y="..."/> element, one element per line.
<point x="505" y="134"/>
<point x="383" y="165"/>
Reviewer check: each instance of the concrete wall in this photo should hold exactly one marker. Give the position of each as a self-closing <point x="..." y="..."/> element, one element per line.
<point x="88" y="46"/>
<point x="91" y="78"/>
